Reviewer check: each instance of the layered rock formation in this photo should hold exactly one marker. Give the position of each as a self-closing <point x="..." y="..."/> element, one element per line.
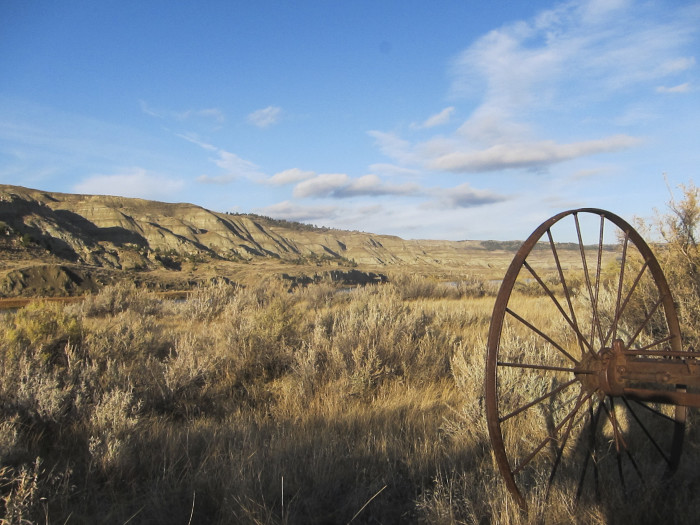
<point x="171" y="245"/>
<point x="127" y="233"/>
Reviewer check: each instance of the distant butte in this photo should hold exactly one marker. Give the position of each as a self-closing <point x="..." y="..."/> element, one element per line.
<point x="69" y="244"/>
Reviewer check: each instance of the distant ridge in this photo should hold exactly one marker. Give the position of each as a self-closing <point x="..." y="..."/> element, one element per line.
<point x="118" y="233"/>
<point x="112" y="231"/>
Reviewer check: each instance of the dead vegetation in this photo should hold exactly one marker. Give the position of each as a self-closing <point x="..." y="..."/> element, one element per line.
<point x="260" y="405"/>
<point x="256" y="405"/>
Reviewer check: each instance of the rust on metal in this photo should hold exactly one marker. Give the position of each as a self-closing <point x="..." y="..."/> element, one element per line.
<point x="624" y="364"/>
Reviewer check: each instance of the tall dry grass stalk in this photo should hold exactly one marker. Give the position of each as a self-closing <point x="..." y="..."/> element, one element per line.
<point x="259" y="406"/>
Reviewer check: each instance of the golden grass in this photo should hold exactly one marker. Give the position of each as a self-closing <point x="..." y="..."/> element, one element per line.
<point x="261" y="406"/>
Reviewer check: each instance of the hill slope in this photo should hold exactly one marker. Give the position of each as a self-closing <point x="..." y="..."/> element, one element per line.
<point x="116" y="233"/>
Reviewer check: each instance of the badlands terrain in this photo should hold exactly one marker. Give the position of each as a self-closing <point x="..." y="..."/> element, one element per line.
<point x="58" y="244"/>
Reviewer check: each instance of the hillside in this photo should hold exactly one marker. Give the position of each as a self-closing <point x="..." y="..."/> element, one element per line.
<point x="92" y="239"/>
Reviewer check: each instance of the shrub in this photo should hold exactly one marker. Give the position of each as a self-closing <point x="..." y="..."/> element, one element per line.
<point x="680" y="256"/>
<point x="43" y="328"/>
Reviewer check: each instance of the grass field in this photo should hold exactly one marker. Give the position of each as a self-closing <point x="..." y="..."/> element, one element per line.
<point x="256" y="405"/>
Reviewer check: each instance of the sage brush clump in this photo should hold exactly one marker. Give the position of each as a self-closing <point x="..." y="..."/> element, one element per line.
<point x="255" y="405"/>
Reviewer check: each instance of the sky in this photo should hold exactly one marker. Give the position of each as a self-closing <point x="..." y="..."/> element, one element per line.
<point x="450" y="119"/>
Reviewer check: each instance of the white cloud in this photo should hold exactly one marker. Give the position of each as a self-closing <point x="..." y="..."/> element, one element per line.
<point x="194" y="140"/>
<point x="372" y="186"/>
<point x="234" y="168"/>
<point x="463" y="196"/>
<point x="341" y="185"/>
<point x="392" y="170"/>
<point x="393" y="146"/>
<point x="321" y="185"/>
<point x="489" y="125"/>
<point x="569" y="64"/>
<point x="290" y="211"/>
<point x="439" y="119"/>
<point x="290" y="176"/>
<point x="526" y="155"/>
<point x="581" y="46"/>
<point x="214" y="114"/>
<point x="235" y="164"/>
<point x="134" y="182"/>
<point x="676" y="65"/>
<point x="588" y="173"/>
<point x="265" y="117"/>
<point x="680" y="88"/>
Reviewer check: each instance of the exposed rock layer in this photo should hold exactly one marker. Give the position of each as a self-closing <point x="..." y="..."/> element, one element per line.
<point x="81" y="234"/>
<point x="121" y="233"/>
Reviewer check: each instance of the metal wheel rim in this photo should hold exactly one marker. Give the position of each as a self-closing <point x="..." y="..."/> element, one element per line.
<point x="499" y="313"/>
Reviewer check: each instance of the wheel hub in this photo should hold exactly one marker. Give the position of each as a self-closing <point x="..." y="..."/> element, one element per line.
<point x="600" y="372"/>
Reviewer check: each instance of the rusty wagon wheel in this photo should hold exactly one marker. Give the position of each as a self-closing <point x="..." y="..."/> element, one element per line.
<point x="585" y="281"/>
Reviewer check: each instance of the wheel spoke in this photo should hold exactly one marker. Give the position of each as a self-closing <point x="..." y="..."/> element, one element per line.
<point x="543" y="335"/>
<point x="645" y="322"/>
<point x="617" y="314"/>
<point x="655" y="411"/>
<point x="539" y="348"/>
<point x="537" y="401"/>
<point x="565" y="440"/>
<point x="550" y="438"/>
<point x="551" y="295"/>
<point x="579" y="336"/>
<point x="590" y="453"/>
<point x="597" y="276"/>
<point x="595" y="322"/>
<point x="621" y="444"/>
<point x="546" y="367"/>
<point x="646" y="348"/>
<point x="646" y="431"/>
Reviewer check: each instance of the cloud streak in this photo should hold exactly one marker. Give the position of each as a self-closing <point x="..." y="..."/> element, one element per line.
<point x="680" y="88"/>
<point x="528" y="155"/>
<point x="580" y="53"/>
<point x="266" y="117"/>
<point x="463" y="196"/>
<point x="134" y="182"/>
<point x="439" y="119"/>
<point x="290" y="176"/>
<point x="292" y="211"/>
<point x="341" y="186"/>
<point x="214" y="114"/>
<point x="233" y="166"/>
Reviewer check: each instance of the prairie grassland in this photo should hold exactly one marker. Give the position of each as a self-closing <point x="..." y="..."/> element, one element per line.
<point x="258" y="405"/>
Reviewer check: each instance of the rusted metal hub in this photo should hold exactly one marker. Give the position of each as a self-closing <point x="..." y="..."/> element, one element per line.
<point x="601" y="372"/>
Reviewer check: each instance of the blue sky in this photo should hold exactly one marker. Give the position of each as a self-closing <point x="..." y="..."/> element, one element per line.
<point x="445" y="120"/>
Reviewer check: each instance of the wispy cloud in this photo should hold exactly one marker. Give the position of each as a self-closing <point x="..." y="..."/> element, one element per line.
<point x="341" y="185"/>
<point x="680" y="88"/>
<point x="214" y="114"/>
<point x="463" y="196"/>
<point x="394" y="146"/>
<point x="292" y="211"/>
<point x="234" y="168"/>
<point x="588" y="173"/>
<point x="265" y="117"/>
<point x="439" y="119"/>
<point x="134" y="182"/>
<point x="578" y="54"/>
<point x="527" y="155"/>
<point x="290" y="176"/>
<point x="392" y="170"/>
<point x="621" y="45"/>
<point x="189" y="137"/>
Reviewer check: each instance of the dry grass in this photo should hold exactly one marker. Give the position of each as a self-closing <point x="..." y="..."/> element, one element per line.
<point x="261" y="406"/>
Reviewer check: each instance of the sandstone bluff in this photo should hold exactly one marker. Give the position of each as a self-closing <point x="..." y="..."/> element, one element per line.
<point x="62" y="244"/>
